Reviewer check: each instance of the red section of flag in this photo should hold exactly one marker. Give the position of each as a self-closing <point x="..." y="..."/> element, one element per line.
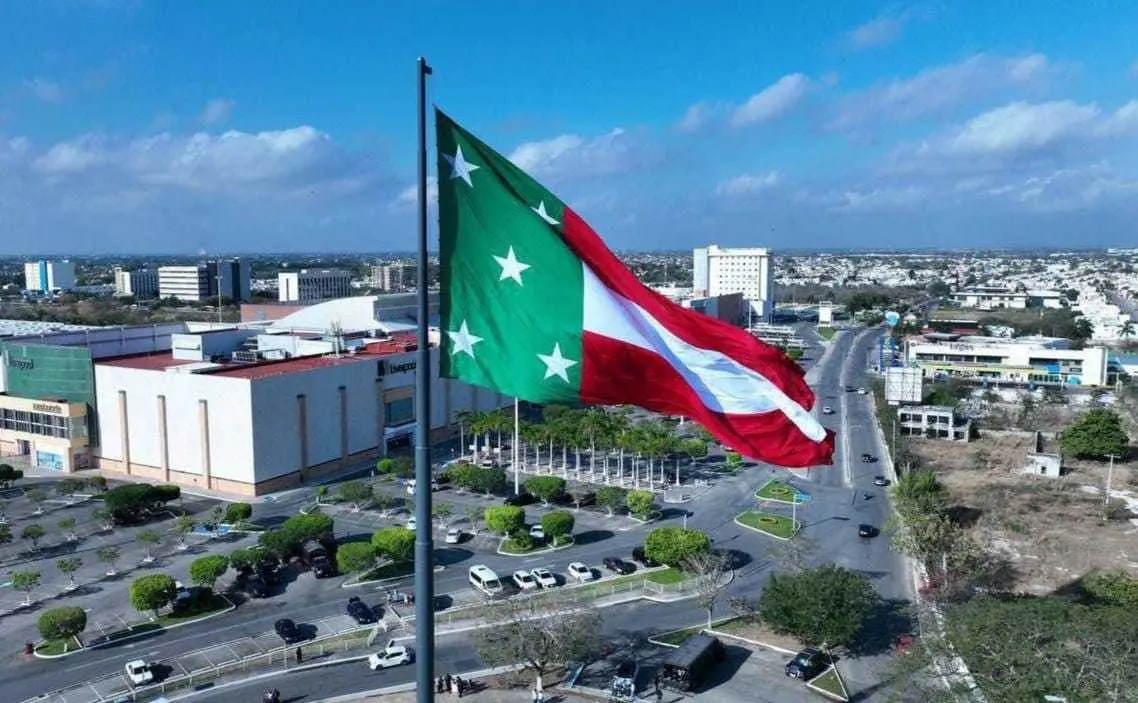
<point x="614" y="372"/>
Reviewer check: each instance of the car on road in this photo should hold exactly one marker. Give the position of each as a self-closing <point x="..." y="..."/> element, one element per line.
<point x="537" y="532"/>
<point x="806" y="664"/>
<point x="361" y="612"/>
<point x="139" y="673"/>
<point x="827" y="410"/>
<point x="391" y="655"/>
<point x="861" y="391"/>
<point x="868" y="458"/>
<point x="850" y="389"/>
<point x="544" y="578"/>
<point x="880" y="481"/>
<point x="619" y="566"/>
<point x="412" y="524"/>
<point x="524" y="580"/>
<point x="580" y="571"/>
<point x="287" y="630"/>
<point x="454" y="536"/>
<point x="638" y="554"/>
<point x="866" y="531"/>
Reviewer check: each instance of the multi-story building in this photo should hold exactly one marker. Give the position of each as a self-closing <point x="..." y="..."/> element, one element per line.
<point x="1023" y="360"/>
<point x="308" y="285"/>
<point x="388" y="277"/>
<point x="207" y="280"/>
<point x="933" y="422"/>
<point x="721" y="271"/>
<point x="140" y="283"/>
<point x="48" y="276"/>
<point x="233" y="280"/>
<point x="989" y="298"/>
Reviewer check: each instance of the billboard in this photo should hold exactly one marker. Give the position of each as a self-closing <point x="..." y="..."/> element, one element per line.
<point x="825" y="314"/>
<point x="45" y="372"/>
<point x="903" y="385"/>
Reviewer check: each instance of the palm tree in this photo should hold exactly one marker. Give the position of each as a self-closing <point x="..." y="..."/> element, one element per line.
<point x="530" y="434"/>
<point x="593" y="424"/>
<point x="463" y="417"/>
<point x="498" y="421"/>
<point x="1127" y="331"/>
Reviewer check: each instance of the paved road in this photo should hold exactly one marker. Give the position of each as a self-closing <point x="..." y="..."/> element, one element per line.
<point x="830" y="532"/>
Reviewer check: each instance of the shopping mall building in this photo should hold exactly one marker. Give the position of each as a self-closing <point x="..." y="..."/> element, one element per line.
<point x="248" y="409"/>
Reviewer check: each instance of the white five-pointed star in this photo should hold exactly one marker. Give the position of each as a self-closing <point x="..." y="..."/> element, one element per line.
<point x="460" y="167"/>
<point x="540" y="210"/>
<point x="556" y="365"/>
<point x="463" y="341"/>
<point x="511" y="267"/>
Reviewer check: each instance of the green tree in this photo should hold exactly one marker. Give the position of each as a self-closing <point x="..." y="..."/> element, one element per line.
<point x="398" y="467"/>
<point x="109" y="556"/>
<point x="674" y="545"/>
<point x="505" y="519"/>
<point x="464" y="475"/>
<point x="557" y="525"/>
<point x="183" y="526"/>
<point x="5" y="533"/>
<point x="205" y="571"/>
<point x="64" y="623"/>
<point x="149" y="539"/>
<point x="238" y="512"/>
<point x="279" y="543"/>
<point x="357" y="493"/>
<point x="442" y="512"/>
<point x="70" y="486"/>
<point x="475" y="514"/>
<point x="822" y="607"/>
<point x="37" y="496"/>
<point x="242" y="558"/>
<point x="919" y="493"/>
<point x="97" y="483"/>
<point x="301" y="528"/>
<point x="67" y="524"/>
<point x="394" y="543"/>
<point x="25" y="582"/>
<point x="321" y="493"/>
<point x="545" y="488"/>
<point x="152" y="592"/>
<point x="734" y="460"/>
<point x="1113" y="587"/>
<point x="68" y="566"/>
<point x="383" y="502"/>
<point x="490" y="481"/>
<point x="611" y="497"/>
<point x="581" y="495"/>
<point x="355" y="556"/>
<point x="1097" y="434"/>
<point x="103" y="515"/>
<point x="640" y="503"/>
<point x="33" y="533"/>
<point x="9" y="475"/>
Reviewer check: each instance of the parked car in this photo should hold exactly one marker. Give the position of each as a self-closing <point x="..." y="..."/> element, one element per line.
<point x="806" y="664"/>
<point x="269" y="569"/>
<point x="880" y="481"/>
<point x="287" y="630"/>
<point x="866" y="531"/>
<point x="850" y="389"/>
<point x="391" y="655"/>
<point x="524" y="580"/>
<point x="139" y="673"/>
<point x="827" y="410"/>
<point x="361" y="612"/>
<point x="186" y="598"/>
<point x="256" y="587"/>
<point x="271" y="695"/>
<point x="412" y="524"/>
<point x="537" y="532"/>
<point x="861" y="391"/>
<point x="624" y="681"/>
<point x="639" y="555"/>
<point x="619" y="566"/>
<point x="544" y="578"/>
<point x="580" y="571"/>
<point x="454" y="536"/>
<point x="521" y="499"/>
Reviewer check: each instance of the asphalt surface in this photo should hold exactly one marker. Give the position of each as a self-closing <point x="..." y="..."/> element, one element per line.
<point x="837" y="506"/>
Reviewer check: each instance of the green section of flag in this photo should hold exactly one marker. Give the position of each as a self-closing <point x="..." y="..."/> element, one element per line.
<point x="511" y="289"/>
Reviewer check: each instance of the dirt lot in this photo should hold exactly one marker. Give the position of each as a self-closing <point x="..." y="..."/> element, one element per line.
<point x="1050" y="529"/>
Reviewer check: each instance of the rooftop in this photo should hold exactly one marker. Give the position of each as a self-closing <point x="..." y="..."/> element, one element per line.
<point x="21" y="328"/>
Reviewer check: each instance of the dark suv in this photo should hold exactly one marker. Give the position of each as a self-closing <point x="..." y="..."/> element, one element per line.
<point x="618" y="565"/>
<point x="361" y="612"/>
<point x="639" y="555"/>
<point x="806" y="664"/>
<point x="287" y="630"/>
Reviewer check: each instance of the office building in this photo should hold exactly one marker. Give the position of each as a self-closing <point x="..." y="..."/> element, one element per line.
<point x="141" y="283"/>
<point x="1022" y="360"/>
<point x="722" y="271"/>
<point x="48" y="276"/>
<point x="995" y="298"/>
<point x="388" y="277"/>
<point x="229" y="278"/>
<point x="933" y="422"/>
<point x="310" y="285"/>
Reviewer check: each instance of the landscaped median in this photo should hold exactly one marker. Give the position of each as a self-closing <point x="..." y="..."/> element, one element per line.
<point x="772" y="524"/>
<point x="509" y="547"/>
<point x="781" y="492"/>
<point x="829" y="683"/>
<point x="826" y="333"/>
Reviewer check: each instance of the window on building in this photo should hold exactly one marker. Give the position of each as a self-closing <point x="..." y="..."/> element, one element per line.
<point x="399" y="412"/>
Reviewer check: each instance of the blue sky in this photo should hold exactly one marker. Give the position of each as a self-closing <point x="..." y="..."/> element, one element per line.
<point x="133" y="126"/>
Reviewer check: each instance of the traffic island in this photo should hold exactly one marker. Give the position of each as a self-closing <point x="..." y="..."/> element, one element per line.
<point x="772" y="524"/>
<point x="829" y="683"/>
<point x="781" y="492"/>
<point x="57" y="648"/>
<point x="508" y="547"/>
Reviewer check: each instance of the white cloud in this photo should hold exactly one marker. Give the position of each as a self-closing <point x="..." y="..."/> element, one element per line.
<point x="1022" y="126"/>
<point x="699" y="115"/>
<point x="409" y="196"/>
<point x="1066" y="189"/>
<point x="1122" y="121"/>
<point x="748" y="184"/>
<point x="939" y="89"/>
<point x="879" y="199"/>
<point x="774" y="101"/>
<point x="879" y="31"/>
<point x="570" y="156"/>
<point x="216" y="111"/>
<point x="1133" y="71"/>
<point x="44" y="90"/>
<point x="71" y="157"/>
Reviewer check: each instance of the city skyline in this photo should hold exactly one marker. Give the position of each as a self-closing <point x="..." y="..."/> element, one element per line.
<point x="130" y="127"/>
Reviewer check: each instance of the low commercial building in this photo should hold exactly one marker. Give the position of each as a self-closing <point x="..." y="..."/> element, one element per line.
<point x="933" y="422"/>
<point x="994" y="298"/>
<point x="1022" y="360"/>
<point x="309" y="285"/>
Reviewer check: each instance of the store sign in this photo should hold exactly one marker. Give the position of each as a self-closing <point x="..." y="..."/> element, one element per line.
<point x="397" y="367"/>
<point x="22" y="364"/>
<point x="47" y="408"/>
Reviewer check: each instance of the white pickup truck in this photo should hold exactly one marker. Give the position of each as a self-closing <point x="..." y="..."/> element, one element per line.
<point x="139" y="672"/>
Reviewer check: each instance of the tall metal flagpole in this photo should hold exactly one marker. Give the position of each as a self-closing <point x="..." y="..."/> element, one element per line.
<point x="424" y="547"/>
<point x="517" y="465"/>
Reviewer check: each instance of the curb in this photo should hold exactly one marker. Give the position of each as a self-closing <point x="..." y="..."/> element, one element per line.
<point x="772" y="647"/>
<point x="535" y="552"/>
<point x="357" y="584"/>
<point x="763" y="532"/>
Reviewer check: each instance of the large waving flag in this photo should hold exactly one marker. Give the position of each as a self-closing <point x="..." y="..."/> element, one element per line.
<point x="534" y="305"/>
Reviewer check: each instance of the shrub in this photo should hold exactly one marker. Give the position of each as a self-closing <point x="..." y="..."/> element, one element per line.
<point x="355" y="556"/>
<point x="558" y="523"/>
<point x="152" y="592"/>
<point x="236" y="512"/>
<point x="520" y="541"/>
<point x="505" y="519"/>
<point x="640" y="503"/>
<point x="674" y="545"/>
<point x="547" y="489"/>
<point x="206" y="570"/>
<point x="62" y="623"/>
<point x="395" y="543"/>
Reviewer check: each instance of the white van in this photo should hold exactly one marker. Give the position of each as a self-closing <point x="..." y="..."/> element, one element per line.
<point x="485" y="580"/>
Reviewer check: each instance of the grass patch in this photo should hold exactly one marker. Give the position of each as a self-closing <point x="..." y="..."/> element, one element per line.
<point x="56" y="647"/>
<point x="666" y="577"/>
<point x="390" y="570"/>
<point x="770" y="523"/>
<point x="779" y="491"/>
<point x="829" y="682"/>
<point x="676" y="637"/>
<point x="215" y="604"/>
<point x="827" y="332"/>
<point x="249" y="526"/>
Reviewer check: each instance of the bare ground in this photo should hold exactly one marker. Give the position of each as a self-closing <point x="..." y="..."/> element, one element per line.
<point x="1051" y="530"/>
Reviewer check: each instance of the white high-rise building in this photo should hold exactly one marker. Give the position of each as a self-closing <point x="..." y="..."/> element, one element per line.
<point x="388" y="277"/>
<point x="307" y="285"/>
<point x="48" y="276"/>
<point x="721" y="271"/>
<point x="140" y="283"/>
<point x="186" y="283"/>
